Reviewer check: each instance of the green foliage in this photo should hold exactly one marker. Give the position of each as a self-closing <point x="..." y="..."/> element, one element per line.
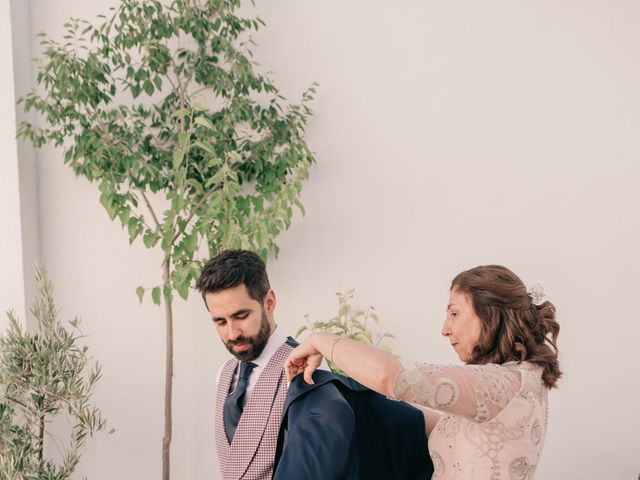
<point x="350" y="322"/>
<point x="44" y="375"/>
<point x="160" y="105"/>
<point x="192" y="150"/>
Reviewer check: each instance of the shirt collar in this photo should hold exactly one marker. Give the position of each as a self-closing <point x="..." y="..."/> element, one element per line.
<point x="275" y="341"/>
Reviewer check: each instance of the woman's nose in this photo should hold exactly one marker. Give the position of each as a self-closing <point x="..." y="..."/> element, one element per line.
<point x="446" y="330"/>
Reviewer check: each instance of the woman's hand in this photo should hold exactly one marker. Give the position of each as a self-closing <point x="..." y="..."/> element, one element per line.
<point x="368" y="365"/>
<point x="305" y="358"/>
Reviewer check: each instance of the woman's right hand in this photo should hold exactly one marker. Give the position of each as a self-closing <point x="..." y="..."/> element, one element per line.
<point x="305" y="358"/>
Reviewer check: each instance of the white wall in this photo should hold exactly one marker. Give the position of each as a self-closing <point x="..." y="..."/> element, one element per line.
<point x="23" y="41"/>
<point x="448" y="135"/>
<point x="11" y="248"/>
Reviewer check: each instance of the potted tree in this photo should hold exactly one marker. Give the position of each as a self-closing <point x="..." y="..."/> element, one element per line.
<point x="193" y="151"/>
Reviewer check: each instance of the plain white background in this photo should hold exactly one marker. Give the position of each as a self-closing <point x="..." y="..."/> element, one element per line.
<point x="447" y="134"/>
<point x="11" y="289"/>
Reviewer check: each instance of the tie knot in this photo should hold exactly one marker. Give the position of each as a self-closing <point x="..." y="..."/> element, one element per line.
<point x="245" y="369"/>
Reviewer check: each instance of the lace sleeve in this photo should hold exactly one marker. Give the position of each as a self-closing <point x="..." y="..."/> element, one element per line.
<point x="479" y="392"/>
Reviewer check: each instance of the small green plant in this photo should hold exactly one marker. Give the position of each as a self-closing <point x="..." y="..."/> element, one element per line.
<point x="351" y="322"/>
<point x="44" y="375"/>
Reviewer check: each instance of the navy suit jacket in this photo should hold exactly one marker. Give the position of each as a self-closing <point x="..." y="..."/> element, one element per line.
<point x="337" y="429"/>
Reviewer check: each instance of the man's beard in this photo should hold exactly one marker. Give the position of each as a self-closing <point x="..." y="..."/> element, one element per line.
<point x="256" y="343"/>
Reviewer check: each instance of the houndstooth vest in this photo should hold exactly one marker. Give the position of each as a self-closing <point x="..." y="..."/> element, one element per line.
<point x="251" y="453"/>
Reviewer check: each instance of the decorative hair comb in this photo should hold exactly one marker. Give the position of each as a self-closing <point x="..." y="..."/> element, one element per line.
<point x="536" y="292"/>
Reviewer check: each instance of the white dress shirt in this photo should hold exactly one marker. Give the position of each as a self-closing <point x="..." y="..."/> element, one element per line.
<point x="275" y="341"/>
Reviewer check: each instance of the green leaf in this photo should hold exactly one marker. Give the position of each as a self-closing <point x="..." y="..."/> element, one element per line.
<point x="182" y="287"/>
<point x="140" y="293"/>
<point x="124" y="214"/>
<point x="183" y="139"/>
<point x="195" y="185"/>
<point x="206" y="146"/>
<point x="148" y="87"/>
<point x="214" y="162"/>
<point x="155" y="295"/>
<point x="204" y="122"/>
<point x="106" y="199"/>
<point x="167" y="239"/>
<point x="150" y="239"/>
<point x="133" y="226"/>
<point x="234" y="157"/>
<point x="178" y="156"/>
<point x="181" y="112"/>
<point x="191" y="242"/>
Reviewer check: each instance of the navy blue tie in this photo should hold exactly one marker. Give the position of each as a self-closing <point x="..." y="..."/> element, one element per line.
<point x="234" y="403"/>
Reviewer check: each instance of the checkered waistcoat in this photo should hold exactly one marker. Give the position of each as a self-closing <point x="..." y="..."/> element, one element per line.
<point x="251" y="453"/>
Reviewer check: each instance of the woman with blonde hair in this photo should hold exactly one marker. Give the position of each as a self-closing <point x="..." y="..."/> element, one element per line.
<point x="487" y="418"/>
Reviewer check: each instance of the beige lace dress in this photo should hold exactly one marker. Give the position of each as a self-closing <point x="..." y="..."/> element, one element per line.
<point x="493" y="421"/>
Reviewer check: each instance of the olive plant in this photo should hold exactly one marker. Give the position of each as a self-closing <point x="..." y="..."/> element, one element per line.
<point x="192" y="150"/>
<point x="44" y="375"/>
<point x="351" y="322"/>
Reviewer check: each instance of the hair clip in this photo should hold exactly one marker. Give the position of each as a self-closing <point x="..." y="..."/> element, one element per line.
<point x="536" y="292"/>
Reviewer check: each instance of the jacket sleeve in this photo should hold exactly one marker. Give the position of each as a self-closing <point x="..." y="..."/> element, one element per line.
<point x="318" y="429"/>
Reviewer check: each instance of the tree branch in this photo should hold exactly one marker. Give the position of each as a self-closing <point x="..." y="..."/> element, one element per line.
<point x="194" y="210"/>
<point x="15" y="400"/>
<point x="41" y="439"/>
<point x="153" y="213"/>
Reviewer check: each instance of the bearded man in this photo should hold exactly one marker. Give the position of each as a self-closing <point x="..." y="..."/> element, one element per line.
<point x="265" y="428"/>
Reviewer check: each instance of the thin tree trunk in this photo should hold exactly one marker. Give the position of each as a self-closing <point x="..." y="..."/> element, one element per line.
<point x="41" y="441"/>
<point x="168" y="382"/>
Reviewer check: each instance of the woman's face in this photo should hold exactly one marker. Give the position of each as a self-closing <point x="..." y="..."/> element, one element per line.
<point x="462" y="325"/>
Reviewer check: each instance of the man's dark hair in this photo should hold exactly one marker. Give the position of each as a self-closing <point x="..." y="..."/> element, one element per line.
<point x="230" y="268"/>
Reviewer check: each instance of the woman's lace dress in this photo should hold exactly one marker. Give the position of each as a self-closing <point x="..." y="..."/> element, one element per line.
<point x="494" y="417"/>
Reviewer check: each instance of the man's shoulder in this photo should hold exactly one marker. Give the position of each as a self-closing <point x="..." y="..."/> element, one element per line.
<point x="221" y="368"/>
<point x="323" y="397"/>
<point x="326" y="385"/>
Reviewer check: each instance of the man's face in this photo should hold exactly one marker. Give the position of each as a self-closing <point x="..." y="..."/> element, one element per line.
<point x="243" y="324"/>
